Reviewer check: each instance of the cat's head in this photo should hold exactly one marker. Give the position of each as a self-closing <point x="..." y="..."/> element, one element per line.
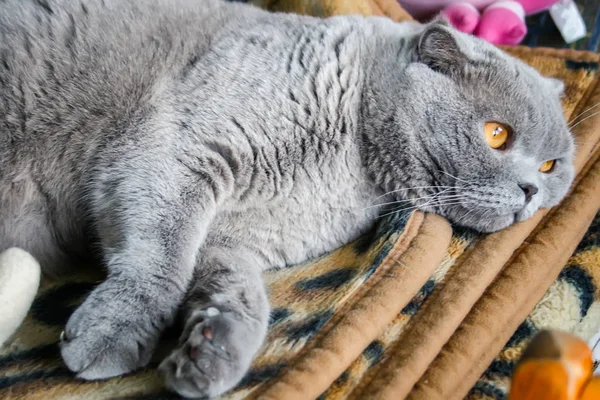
<point x="479" y="135"/>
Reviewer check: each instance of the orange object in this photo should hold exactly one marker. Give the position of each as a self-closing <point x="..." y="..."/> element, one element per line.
<point x="592" y="390"/>
<point x="555" y="366"/>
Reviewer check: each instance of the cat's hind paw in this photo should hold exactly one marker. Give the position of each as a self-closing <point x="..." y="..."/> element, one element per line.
<point x="214" y="353"/>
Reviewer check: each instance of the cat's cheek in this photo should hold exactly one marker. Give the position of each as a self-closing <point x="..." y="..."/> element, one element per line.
<point x="556" y="195"/>
<point x="497" y="224"/>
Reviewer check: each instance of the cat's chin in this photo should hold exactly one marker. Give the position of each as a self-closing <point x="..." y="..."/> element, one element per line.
<point x="524" y="214"/>
<point x="487" y="225"/>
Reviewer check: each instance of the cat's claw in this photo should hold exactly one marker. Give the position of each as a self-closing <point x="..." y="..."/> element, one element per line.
<point x="212" y="356"/>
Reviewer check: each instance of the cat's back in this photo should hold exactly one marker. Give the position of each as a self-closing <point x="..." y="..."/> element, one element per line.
<point x="134" y="37"/>
<point x="74" y="69"/>
<point x="74" y="75"/>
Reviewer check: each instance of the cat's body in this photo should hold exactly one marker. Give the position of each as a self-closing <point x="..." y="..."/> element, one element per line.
<point x="194" y="144"/>
<point x="91" y="111"/>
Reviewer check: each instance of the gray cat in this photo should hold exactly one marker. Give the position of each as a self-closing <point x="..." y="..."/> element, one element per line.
<point x="193" y="144"/>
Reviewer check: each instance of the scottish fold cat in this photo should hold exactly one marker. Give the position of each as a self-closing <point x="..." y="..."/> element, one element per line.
<point x="192" y="144"/>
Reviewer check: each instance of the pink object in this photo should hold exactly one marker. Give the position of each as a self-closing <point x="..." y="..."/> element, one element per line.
<point x="502" y="23"/>
<point x="462" y="16"/>
<point x="499" y="22"/>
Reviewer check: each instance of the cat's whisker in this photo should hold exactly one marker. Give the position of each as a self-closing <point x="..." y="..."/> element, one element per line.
<point x="585" y="119"/>
<point x="389" y="203"/>
<point x="455" y="177"/>
<point x="485" y="214"/>
<point x="413" y="188"/>
<point x="373" y="205"/>
<point x="468" y="214"/>
<point x="445" y="200"/>
<point x="436" y="200"/>
<point x="418" y="207"/>
<point x="472" y="211"/>
<point x="583" y="112"/>
<point x="451" y="197"/>
<point x="451" y="203"/>
<point x="439" y="198"/>
<point x="397" y="211"/>
<point x="429" y="198"/>
<point x="442" y="201"/>
<point x="415" y="206"/>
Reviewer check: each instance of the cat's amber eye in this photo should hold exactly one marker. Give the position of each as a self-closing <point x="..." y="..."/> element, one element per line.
<point x="547" y="166"/>
<point x="496" y="134"/>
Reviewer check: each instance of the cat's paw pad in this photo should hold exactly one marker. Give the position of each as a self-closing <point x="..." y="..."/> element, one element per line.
<point x="214" y="353"/>
<point x="99" y="342"/>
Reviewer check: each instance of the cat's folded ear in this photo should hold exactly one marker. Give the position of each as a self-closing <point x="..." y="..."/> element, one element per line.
<point x="439" y="49"/>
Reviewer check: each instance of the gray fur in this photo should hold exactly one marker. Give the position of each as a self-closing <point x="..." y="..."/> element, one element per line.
<point x="193" y="144"/>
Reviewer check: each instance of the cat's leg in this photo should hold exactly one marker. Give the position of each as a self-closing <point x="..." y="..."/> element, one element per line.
<point x="152" y="218"/>
<point x="226" y="317"/>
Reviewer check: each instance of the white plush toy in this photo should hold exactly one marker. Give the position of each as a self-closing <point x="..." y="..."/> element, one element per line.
<point x="19" y="282"/>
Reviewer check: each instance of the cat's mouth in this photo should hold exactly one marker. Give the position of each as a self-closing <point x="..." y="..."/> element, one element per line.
<point x="485" y="208"/>
<point x="482" y="210"/>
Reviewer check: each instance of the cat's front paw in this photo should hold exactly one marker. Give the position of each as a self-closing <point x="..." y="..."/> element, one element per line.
<point x="214" y="353"/>
<point x="103" y="338"/>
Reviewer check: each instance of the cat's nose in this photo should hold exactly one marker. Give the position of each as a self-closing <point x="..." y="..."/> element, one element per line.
<point x="529" y="190"/>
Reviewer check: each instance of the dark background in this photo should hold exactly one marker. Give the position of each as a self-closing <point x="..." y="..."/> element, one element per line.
<point x="543" y="32"/>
